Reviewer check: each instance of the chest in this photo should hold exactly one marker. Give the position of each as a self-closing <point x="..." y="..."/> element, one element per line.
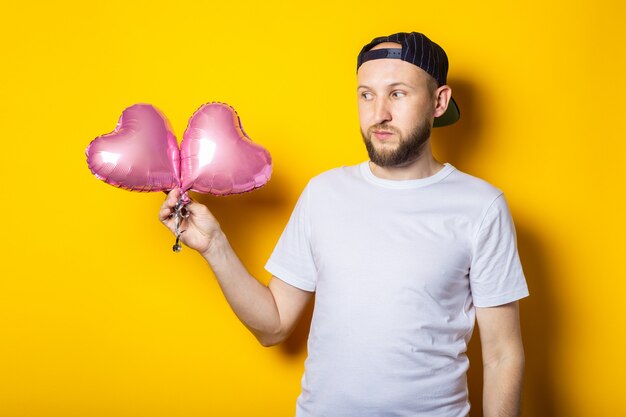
<point x="408" y="242"/>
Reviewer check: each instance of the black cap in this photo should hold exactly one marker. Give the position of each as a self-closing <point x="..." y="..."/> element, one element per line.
<point x="420" y="51"/>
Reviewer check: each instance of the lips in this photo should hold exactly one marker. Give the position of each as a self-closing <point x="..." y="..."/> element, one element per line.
<point x="382" y="134"/>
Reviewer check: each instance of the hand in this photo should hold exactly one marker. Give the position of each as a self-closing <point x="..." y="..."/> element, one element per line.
<point x="201" y="227"/>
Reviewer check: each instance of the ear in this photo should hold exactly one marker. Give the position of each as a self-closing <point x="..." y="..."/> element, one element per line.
<point x="442" y="98"/>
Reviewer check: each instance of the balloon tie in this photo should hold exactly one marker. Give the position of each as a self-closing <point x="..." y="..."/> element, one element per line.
<point x="180" y="213"/>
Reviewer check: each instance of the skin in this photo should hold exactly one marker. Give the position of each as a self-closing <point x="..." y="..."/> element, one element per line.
<point x="406" y="110"/>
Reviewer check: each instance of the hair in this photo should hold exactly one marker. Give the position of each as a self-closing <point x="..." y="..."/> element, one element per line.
<point x="432" y="85"/>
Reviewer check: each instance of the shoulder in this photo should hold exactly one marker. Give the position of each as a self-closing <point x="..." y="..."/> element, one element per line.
<point x="473" y="188"/>
<point x="332" y="176"/>
<point x="475" y="197"/>
<point x="475" y="184"/>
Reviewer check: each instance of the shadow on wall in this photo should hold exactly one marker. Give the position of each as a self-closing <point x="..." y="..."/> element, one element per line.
<point x="243" y="216"/>
<point x="539" y="326"/>
<point x="457" y="144"/>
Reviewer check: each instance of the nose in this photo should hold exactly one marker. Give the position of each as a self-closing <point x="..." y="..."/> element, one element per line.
<point x="382" y="110"/>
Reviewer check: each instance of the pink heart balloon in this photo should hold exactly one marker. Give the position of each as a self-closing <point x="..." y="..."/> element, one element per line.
<point x="141" y="154"/>
<point x="217" y="157"/>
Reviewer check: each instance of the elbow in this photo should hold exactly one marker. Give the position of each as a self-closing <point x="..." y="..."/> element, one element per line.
<point x="514" y="360"/>
<point x="269" y="340"/>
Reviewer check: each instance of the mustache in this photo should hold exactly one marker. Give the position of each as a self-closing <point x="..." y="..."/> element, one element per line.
<point x="383" y="127"/>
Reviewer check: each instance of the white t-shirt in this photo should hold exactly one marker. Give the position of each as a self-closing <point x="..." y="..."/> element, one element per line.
<point x="397" y="268"/>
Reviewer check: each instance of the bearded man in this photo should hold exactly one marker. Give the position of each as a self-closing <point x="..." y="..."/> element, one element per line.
<point x="403" y="253"/>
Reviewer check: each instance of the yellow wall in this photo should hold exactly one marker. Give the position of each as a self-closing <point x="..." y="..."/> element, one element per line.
<point x="98" y="317"/>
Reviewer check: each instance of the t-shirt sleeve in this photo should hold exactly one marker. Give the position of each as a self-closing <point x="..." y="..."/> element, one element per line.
<point x="496" y="275"/>
<point x="292" y="259"/>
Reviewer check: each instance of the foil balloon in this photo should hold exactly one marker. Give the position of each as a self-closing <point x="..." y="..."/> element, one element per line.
<point x="218" y="157"/>
<point x="141" y="154"/>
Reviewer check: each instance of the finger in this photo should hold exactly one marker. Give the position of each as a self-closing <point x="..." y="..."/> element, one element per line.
<point x="170" y="200"/>
<point x="167" y="208"/>
<point x="173" y="196"/>
<point x="165" y="213"/>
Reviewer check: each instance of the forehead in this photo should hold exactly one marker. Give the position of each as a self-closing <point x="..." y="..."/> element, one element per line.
<point x="386" y="71"/>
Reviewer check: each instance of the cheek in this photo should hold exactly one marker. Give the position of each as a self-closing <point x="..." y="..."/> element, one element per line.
<point x="412" y="112"/>
<point x="364" y="115"/>
<point x="406" y="118"/>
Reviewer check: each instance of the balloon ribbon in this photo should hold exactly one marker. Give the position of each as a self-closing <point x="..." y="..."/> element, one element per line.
<point x="180" y="213"/>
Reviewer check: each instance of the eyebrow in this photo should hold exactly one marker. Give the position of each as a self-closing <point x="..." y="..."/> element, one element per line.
<point x="390" y="85"/>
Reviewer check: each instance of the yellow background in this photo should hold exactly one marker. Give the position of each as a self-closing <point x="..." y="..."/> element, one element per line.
<point x="98" y="317"/>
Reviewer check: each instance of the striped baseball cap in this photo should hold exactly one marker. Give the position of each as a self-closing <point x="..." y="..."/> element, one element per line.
<point x="418" y="50"/>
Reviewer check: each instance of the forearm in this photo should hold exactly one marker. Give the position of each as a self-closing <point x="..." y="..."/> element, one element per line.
<point x="252" y="302"/>
<point x="502" y="387"/>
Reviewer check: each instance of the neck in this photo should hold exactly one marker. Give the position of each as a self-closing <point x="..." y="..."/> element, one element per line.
<point x="423" y="166"/>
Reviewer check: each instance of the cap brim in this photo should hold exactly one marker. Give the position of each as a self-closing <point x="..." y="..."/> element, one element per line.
<point x="451" y="115"/>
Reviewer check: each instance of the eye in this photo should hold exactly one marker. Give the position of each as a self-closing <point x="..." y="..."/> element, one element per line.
<point x="366" y="95"/>
<point x="398" y="94"/>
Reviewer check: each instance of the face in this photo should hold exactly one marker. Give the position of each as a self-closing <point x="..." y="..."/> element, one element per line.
<point x="396" y="107"/>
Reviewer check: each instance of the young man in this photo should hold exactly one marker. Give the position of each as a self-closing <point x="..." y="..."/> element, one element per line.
<point x="408" y="255"/>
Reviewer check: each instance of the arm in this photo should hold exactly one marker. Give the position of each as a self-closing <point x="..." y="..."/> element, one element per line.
<point x="503" y="359"/>
<point x="269" y="312"/>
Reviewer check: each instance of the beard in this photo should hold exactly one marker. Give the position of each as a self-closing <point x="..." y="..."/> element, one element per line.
<point x="407" y="149"/>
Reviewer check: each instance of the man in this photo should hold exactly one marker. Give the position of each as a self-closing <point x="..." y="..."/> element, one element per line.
<point x="403" y="253"/>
